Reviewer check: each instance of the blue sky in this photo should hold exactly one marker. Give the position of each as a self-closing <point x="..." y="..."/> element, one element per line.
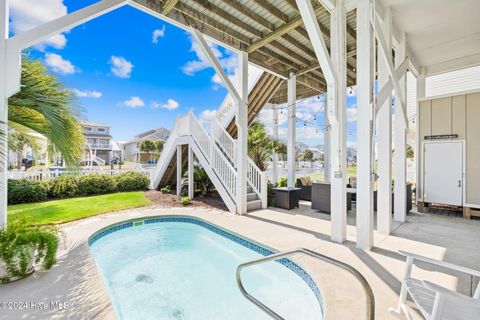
<point x="135" y="72"/>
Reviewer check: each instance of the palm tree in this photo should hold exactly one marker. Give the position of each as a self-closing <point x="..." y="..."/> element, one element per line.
<point x="147" y="146"/>
<point x="260" y="145"/>
<point x="44" y="106"/>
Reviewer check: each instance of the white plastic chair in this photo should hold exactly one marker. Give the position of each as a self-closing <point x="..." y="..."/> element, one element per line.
<point x="436" y="302"/>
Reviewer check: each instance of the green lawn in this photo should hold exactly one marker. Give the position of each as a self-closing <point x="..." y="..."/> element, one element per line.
<point x="351" y="172"/>
<point x="60" y="211"/>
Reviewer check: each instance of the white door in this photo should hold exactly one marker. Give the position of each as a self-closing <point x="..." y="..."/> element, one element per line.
<point x="443" y="173"/>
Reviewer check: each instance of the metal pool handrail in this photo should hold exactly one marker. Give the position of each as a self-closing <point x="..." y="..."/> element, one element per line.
<point x="366" y="287"/>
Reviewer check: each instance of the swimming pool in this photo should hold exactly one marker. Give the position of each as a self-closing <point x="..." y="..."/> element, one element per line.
<point x="184" y="268"/>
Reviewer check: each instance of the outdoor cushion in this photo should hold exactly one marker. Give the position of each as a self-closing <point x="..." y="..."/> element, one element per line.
<point x="306" y="181"/>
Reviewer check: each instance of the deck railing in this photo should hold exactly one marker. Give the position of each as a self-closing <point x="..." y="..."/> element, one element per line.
<point x="258" y="181"/>
<point x="43" y="175"/>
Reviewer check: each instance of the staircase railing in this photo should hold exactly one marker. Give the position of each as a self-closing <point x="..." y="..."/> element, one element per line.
<point x="258" y="181"/>
<point x="163" y="160"/>
<point x="220" y="164"/>
<point x="225" y="140"/>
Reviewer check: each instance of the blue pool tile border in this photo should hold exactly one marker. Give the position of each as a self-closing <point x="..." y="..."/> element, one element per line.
<point x="241" y="241"/>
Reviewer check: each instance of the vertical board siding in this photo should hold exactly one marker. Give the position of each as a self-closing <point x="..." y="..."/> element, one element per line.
<point x="441" y="116"/>
<point x="473" y="148"/>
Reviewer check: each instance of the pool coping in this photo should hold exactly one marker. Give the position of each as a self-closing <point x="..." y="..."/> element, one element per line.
<point x="256" y="246"/>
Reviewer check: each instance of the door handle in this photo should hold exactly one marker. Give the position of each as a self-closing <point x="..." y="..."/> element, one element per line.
<point x="459" y="183"/>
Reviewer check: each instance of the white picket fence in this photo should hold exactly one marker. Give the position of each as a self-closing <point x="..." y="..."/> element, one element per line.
<point x="43" y="175"/>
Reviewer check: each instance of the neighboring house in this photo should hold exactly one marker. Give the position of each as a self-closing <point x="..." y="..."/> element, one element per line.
<point x="131" y="148"/>
<point x="99" y="142"/>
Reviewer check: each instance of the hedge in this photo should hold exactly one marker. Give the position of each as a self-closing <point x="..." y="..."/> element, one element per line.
<point x="25" y="191"/>
<point x="68" y="186"/>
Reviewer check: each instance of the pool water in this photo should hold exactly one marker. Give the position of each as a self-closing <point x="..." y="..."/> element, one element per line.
<point x="181" y="270"/>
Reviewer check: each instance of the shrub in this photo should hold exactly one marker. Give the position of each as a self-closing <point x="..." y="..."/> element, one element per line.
<point x="65" y="186"/>
<point x="22" y="244"/>
<point x="26" y="191"/>
<point x="131" y="181"/>
<point x="283" y="182"/>
<point x="96" y="184"/>
<point x="185" y="201"/>
<point x="166" y="189"/>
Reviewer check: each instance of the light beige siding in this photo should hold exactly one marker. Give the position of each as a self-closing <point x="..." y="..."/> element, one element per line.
<point x="460" y="115"/>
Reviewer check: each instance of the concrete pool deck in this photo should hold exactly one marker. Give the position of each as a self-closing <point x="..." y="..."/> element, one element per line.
<point x="75" y="279"/>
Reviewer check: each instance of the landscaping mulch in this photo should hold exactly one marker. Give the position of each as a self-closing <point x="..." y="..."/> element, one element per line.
<point x="170" y="200"/>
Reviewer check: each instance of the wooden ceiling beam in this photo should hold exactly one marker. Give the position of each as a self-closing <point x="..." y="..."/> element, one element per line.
<point x="250" y="13"/>
<point x="192" y="13"/>
<point x="272" y="9"/>
<point x="168" y="6"/>
<point x="229" y="17"/>
<point x="284" y="29"/>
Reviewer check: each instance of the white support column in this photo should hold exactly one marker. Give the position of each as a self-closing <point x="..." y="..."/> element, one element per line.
<point x="364" y="126"/>
<point x="421" y="91"/>
<point x="401" y="127"/>
<point x="191" y="176"/>
<point x="179" y="170"/>
<point x="292" y="127"/>
<point x="275" y="136"/>
<point x="242" y="129"/>
<point x="338" y="135"/>
<point x="326" y="146"/>
<point x="3" y="111"/>
<point x="384" y="138"/>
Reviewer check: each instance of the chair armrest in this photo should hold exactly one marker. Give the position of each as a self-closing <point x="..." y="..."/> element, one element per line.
<point x="440" y="263"/>
<point x="469" y="301"/>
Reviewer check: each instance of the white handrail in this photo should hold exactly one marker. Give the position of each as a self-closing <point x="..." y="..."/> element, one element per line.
<point x="164" y="155"/>
<point x="225" y="140"/>
<point x="258" y="181"/>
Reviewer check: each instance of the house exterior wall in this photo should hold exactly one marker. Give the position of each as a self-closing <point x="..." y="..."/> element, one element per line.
<point x="458" y="114"/>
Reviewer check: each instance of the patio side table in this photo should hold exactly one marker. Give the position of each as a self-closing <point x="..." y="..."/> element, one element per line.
<point x="287" y="198"/>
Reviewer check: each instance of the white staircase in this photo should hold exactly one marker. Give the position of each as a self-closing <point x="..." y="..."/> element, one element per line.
<point x="216" y="152"/>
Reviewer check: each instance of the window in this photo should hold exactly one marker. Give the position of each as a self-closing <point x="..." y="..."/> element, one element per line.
<point x="88" y="129"/>
<point x="101" y="130"/>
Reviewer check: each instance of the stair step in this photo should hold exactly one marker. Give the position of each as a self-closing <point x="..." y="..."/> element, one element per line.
<point x="252" y="196"/>
<point x="254" y="205"/>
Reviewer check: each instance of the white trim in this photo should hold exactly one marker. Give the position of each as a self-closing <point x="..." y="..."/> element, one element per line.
<point x="453" y="65"/>
<point x="461" y="93"/>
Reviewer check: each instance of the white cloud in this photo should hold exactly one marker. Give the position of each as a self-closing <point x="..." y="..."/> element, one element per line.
<point x="208" y="114"/>
<point x="308" y="133"/>
<point x="121" y="67"/>
<point x="170" y="105"/>
<point x="134" y="102"/>
<point x="58" y="64"/>
<point x="27" y="14"/>
<point x="86" y="93"/>
<point x="228" y="60"/>
<point x="352" y="114"/>
<point x="158" y="33"/>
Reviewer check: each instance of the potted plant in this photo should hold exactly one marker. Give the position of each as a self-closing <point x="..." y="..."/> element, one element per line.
<point x="22" y="245"/>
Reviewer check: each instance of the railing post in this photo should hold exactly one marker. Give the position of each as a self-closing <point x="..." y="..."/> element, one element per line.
<point x="264" y="189"/>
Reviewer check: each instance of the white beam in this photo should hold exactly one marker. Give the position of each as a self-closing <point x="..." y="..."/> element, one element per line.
<point x="291" y="134"/>
<point x="338" y="145"/>
<point x="3" y="111"/>
<point x="179" y="170"/>
<point x="275" y="155"/>
<point x="328" y="4"/>
<point x="391" y="69"/>
<point x="387" y="87"/>
<point x="319" y="46"/>
<point x="38" y="34"/>
<point x="326" y="146"/>
<point x="400" y="158"/>
<point x="364" y="126"/>
<point x="421" y="92"/>
<point x="241" y="121"/>
<point x="384" y="138"/>
<point x="453" y="65"/>
<point x="191" y="176"/>
<point x="215" y="64"/>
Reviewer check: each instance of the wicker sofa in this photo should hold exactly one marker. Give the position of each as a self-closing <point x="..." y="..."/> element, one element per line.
<point x="321" y="197"/>
<point x="305" y="185"/>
